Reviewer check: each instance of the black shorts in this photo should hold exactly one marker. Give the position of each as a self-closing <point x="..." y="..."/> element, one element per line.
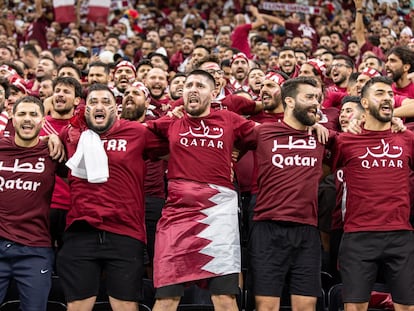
<point x="86" y="255"/>
<point x="278" y="248"/>
<point x="219" y="285"/>
<point x="362" y="253"/>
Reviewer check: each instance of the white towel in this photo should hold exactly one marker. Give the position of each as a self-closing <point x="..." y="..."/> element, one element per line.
<point x="90" y="160"/>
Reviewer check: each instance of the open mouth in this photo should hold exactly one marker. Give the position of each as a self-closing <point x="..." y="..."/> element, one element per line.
<point x="386" y="109"/>
<point x="99" y="117"/>
<point x="27" y="127"/>
<point x="129" y="103"/>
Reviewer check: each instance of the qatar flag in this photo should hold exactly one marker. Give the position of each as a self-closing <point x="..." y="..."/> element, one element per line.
<point x="197" y="235"/>
<point x="64" y="11"/>
<point x="98" y="11"/>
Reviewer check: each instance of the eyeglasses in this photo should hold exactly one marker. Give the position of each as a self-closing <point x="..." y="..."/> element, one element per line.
<point x="340" y="65"/>
<point x="213" y="72"/>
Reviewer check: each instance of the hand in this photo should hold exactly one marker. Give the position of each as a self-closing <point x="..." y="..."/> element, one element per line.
<point x="253" y="9"/>
<point x="165" y="107"/>
<point x="56" y="149"/>
<point x="397" y="125"/>
<point x="354" y="127"/>
<point x="235" y="154"/>
<point x="178" y="112"/>
<point x="358" y="4"/>
<point x="322" y="132"/>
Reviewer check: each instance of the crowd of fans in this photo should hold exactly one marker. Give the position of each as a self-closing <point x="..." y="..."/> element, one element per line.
<point x="250" y="49"/>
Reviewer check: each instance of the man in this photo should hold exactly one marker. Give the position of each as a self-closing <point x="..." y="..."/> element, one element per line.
<point x="176" y="86"/>
<point x="157" y="83"/>
<point x="287" y="62"/>
<point x="240" y="34"/>
<point x="134" y="108"/>
<point x="98" y="73"/>
<point x="81" y="59"/>
<point x="377" y="229"/>
<point x="45" y="88"/>
<point x="69" y="45"/>
<point x="330" y="194"/>
<point x="105" y="231"/>
<point x="124" y="75"/>
<point x="27" y="180"/>
<point x="180" y="59"/>
<point x="284" y="238"/>
<point x="255" y="79"/>
<point x="189" y="227"/>
<point x="400" y="62"/>
<point x="224" y="99"/>
<point x="341" y="69"/>
<point x="6" y="54"/>
<point x="46" y="68"/>
<point x="30" y="56"/>
<point x="67" y="93"/>
<point x="69" y="69"/>
<point x="239" y="71"/>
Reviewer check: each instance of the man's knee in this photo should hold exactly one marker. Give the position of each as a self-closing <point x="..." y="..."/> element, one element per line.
<point x="166" y="304"/>
<point x="267" y="303"/>
<point x="122" y="305"/>
<point x="224" y="302"/>
<point x="82" y="305"/>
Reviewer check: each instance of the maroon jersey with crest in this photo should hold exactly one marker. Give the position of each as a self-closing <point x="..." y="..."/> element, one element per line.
<point x="376" y="166"/>
<point x="27" y="177"/>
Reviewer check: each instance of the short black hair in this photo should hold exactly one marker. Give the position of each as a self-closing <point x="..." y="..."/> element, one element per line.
<point x="203" y="73"/>
<point x="405" y="54"/>
<point x="100" y="64"/>
<point x="71" y="65"/>
<point x="69" y="81"/>
<point x="100" y="87"/>
<point x="369" y="83"/>
<point x="291" y="87"/>
<point x="29" y="99"/>
<point x="6" y="86"/>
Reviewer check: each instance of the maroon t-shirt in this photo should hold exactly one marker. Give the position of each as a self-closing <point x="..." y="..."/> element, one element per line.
<point x="240" y="39"/>
<point x="261" y="117"/>
<point x="302" y="30"/>
<point x="405" y="91"/>
<point x="27" y="177"/>
<point x="290" y="166"/>
<point x="376" y="166"/>
<point x="37" y="31"/>
<point x="61" y="196"/>
<point x="117" y="205"/>
<point x="201" y="148"/>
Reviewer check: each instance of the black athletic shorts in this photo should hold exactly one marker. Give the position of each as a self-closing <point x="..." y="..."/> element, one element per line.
<point x="362" y="253"/>
<point x="86" y="255"/>
<point x="279" y="248"/>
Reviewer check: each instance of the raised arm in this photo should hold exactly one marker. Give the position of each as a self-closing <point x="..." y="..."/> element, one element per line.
<point x="273" y="19"/>
<point x="259" y="18"/>
<point x="359" y="24"/>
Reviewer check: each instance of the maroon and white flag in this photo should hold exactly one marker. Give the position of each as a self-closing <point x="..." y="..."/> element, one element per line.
<point x="64" y="11"/>
<point x="98" y="11"/>
<point x="197" y="235"/>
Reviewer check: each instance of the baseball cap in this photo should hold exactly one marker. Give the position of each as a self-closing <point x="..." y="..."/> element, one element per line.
<point x="83" y="50"/>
